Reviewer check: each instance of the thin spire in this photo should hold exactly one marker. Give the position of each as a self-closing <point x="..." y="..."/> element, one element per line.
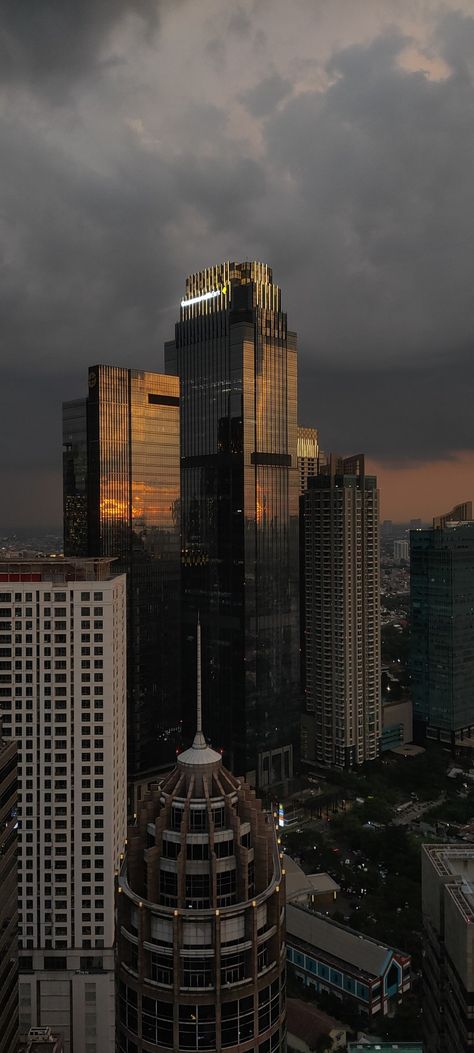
<point x="199" y="740"/>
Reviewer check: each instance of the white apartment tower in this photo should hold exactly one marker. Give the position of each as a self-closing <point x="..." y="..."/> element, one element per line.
<point x="63" y="698"/>
<point x="342" y="723"/>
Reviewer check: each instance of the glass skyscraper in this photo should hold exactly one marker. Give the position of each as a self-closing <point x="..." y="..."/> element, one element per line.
<point x="442" y="630"/>
<point x="236" y="363"/>
<point x="121" y="499"/>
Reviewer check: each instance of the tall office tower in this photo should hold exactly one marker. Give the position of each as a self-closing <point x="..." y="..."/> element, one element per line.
<point x="236" y="361"/>
<point x="121" y="499"/>
<point x="448" y="961"/>
<point x="442" y="657"/>
<point x="8" y="875"/>
<point x="63" y="633"/>
<point x="201" y="916"/>
<point x="342" y="723"/>
<point x="307" y="447"/>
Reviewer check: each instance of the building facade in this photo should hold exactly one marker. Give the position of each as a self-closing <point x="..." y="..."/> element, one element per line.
<point x="201" y="917"/>
<point x="328" y="957"/>
<point x="63" y="631"/>
<point x="121" y="499"/>
<point x="236" y="363"/>
<point x="307" y="455"/>
<point x="442" y="628"/>
<point x="448" y="970"/>
<point x="8" y="877"/>
<point x="342" y="722"/>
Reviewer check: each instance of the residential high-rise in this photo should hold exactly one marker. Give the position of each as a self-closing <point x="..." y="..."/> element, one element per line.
<point x="448" y="961"/>
<point x="201" y="916"/>
<point x="401" y="551"/>
<point x="121" y="499"/>
<point x="342" y="723"/>
<point x="8" y="870"/>
<point x="307" y="447"/>
<point x="64" y="701"/>
<point x="236" y="362"/>
<point x="442" y="630"/>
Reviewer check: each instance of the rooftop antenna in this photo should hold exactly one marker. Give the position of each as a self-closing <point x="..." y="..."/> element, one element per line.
<point x="199" y="740"/>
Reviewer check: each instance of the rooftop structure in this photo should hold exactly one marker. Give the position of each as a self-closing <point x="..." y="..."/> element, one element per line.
<point x="40" y="1040"/>
<point x="461" y="513"/>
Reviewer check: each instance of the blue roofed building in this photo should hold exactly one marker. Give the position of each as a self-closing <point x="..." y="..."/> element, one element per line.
<point x="333" y="958"/>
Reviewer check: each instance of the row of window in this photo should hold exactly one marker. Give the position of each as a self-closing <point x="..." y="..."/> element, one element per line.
<point x="197" y="1023"/>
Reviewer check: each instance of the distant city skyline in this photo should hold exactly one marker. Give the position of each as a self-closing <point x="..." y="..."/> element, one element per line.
<point x="419" y="490"/>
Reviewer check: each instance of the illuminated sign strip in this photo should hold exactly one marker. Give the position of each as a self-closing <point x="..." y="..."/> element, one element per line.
<point x="204" y="296"/>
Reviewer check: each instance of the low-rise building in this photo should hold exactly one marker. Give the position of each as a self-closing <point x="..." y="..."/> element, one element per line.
<point x="333" y="958"/>
<point x="309" y="890"/>
<point x="397" y="724"/>
<point x="308" y="1025"/>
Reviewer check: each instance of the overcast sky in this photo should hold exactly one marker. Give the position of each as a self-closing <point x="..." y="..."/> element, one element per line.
<point x="334" y="139"/>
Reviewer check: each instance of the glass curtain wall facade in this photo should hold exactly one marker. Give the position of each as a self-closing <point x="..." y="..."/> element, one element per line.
<point x="236" y="362"/>
<point x="130" y="428"/>
<point x="442" y="630"/>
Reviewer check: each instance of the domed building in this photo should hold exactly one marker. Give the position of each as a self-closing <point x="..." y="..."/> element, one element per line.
<point x="201" y="915"/>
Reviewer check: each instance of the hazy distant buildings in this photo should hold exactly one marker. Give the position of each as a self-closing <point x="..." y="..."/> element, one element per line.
<point x="442" y="630"/>
<point x="237" y="368"/>
<point x="8" y="866"/>
<point x="448" y="962"/>
<point x="342" y="723"/>
<point x="401" y="551"/>
<point x="201" y="916"/>
<point x="121" y="499"/>
<point x="63" y="699"/>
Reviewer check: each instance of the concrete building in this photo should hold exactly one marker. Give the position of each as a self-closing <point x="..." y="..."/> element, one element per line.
<point x="401" y="551"/>
<point x="448" y="963"/>
<point x="461" y="513"/>
<point x="316" y="891"/>
<point x="201" y="916"/>
<point x="397" y="724"/>
<point x="307" y="1026"/>
<point x="63" y="632"/>
<point x="8" y="880"/>
<point x="342" y="723"/>
<point x="441" y="631"/>
<point x="330" y="957"/>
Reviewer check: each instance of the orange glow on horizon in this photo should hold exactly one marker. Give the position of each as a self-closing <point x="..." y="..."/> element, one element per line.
<point x="424" y="490"/>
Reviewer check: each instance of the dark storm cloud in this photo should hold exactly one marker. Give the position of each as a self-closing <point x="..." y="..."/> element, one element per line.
<point x="43" y="40"/>
<point x="361" y="197"/>
<point x="380" y="218"/>
<point x="396" y="414"/>
<point x="261" y="100"/>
